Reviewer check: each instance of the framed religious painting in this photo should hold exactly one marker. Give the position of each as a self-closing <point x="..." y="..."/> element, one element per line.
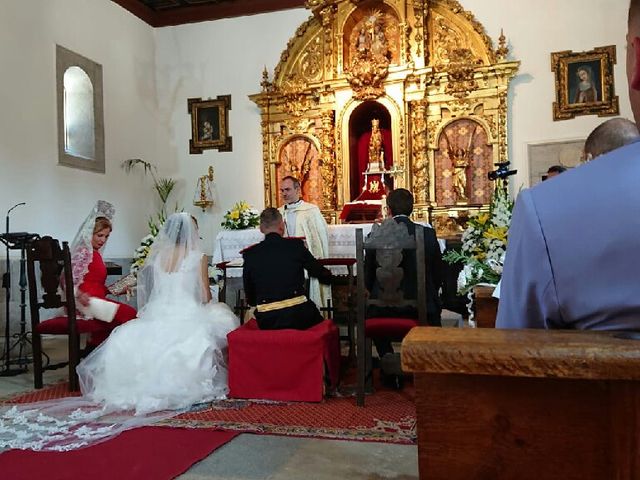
<point x="210" y="124"/>
<point x="584" y="83"/>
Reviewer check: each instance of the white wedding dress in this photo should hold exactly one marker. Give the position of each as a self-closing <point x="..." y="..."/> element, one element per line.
<point x="150" y="368"/>
<point x="170" y="357"/>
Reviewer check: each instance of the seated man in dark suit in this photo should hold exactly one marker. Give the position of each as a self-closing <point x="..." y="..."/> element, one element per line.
<point x="274" y="281"/>
<point x="400" y="203"/>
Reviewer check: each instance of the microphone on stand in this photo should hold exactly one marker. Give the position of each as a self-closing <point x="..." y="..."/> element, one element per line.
<point x="6" y="284"/>
<point x="10" y="210"/>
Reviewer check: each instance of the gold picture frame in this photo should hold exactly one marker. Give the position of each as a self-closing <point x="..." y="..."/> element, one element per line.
<point x="210" y="124"/>
<point x="584" y="83"/>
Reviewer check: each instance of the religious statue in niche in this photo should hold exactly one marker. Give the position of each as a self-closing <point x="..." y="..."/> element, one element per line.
<point x="374" y="161"/>
<point x="461" y="163"/>
<point x="299" y="158"/>
<point x="460" y="158"/>
<point x="372" y="170"/>
<point x="370" y="55"/>
<point x="376" y="152"/>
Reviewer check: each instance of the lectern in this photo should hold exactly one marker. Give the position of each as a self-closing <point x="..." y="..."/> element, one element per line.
<point x="16" y="241"/>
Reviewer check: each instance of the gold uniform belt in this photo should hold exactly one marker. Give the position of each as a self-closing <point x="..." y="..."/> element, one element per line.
<point x="289" y="302"/>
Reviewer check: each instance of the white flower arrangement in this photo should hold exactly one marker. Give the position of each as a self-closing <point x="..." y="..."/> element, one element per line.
<point x="484" y="243"/>
<point x="241" y="216"/>
<point x="140" y="253"/>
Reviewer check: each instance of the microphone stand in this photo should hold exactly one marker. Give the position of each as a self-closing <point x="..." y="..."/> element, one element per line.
<point x="22" y="337"/>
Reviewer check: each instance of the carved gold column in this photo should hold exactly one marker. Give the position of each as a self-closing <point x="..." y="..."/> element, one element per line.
<point x="420" y="9"/>
<point x="327" y="15"/>
<point x="502" y="127"/>
<point x="266" y="164"/>
<point x="327" y="161"/>
<point x="420" y="164"/>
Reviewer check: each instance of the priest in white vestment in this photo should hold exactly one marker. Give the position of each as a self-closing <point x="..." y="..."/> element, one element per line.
<point x="303" y="219"/>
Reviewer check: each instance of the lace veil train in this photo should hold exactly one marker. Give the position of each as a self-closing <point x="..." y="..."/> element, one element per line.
<point x="71" y="423"/>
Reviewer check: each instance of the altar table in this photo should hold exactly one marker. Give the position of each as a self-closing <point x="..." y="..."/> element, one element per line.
<point x="342" y="244"/>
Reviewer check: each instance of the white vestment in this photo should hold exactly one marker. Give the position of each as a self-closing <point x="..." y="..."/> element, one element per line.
<point x="310" y="224"/>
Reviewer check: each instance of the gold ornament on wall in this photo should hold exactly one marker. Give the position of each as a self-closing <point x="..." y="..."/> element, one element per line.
<point x="203" y="197"/>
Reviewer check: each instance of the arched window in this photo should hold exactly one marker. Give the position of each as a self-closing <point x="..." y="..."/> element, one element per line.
<point x="79" y="135"/>
<point x="80" y="113"/>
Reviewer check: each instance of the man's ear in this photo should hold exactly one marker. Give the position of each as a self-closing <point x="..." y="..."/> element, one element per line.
<point x="635" y="79"/>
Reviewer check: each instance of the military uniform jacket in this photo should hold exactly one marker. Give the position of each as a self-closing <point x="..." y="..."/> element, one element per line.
<point x="274" y="269"/>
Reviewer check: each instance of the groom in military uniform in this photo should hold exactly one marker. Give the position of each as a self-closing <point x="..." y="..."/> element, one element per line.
<point x="273" y="277"/>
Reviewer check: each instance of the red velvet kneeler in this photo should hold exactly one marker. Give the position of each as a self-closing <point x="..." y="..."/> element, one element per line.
<point x="283" y="365"/>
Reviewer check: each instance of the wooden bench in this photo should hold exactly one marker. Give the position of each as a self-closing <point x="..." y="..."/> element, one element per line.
<point x="525" y="404"/>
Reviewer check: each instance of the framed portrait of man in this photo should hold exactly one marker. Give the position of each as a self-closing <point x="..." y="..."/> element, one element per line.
<point x="584" y="83"/>
<point x="209" y="124"/>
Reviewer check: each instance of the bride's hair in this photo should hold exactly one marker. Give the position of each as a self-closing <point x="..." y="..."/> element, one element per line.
<point x="177" y="226"/>
<point x="176" y="249"/>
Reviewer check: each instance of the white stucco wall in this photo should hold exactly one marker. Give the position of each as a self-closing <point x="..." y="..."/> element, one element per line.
<point x="205" y="60"/>
<point x="59" y="198"/>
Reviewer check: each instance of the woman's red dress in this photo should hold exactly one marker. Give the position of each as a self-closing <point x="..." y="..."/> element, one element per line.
<point x="94" y="285"/>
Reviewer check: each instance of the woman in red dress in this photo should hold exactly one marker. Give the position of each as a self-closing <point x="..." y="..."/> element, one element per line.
<point x="90" y="272"/>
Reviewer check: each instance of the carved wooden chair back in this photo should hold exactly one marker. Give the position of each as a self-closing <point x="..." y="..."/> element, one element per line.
<point x="398" y="283"/>
<point x="54" y="266"/>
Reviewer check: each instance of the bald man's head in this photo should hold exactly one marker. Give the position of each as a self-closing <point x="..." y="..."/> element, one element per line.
<point x="610" y="135"/>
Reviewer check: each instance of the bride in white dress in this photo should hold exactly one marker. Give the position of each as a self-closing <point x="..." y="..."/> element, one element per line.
<point x="150" y="368"/>
<point x="174" y="354"/>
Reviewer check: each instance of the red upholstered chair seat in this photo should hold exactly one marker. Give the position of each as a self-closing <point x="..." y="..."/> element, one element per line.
<point x="388" y="327"/>
<point x="284" y="364"/>
<point x="60" y="326"/>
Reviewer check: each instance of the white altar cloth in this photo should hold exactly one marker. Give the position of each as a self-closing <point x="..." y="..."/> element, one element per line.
<point x="342" y="244"/>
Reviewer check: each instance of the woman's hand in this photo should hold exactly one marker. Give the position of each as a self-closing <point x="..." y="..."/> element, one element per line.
<point x="83" y="298"/>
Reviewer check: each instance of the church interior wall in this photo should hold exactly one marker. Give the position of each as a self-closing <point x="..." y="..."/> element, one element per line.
<point x="58" y="198"/>
<point x="149" y="74"/>
<point x="221" y="58"/>
<point x="534" y="30"/>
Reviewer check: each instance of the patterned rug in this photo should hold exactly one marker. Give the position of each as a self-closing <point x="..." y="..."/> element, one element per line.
<point x="389" y="416"/>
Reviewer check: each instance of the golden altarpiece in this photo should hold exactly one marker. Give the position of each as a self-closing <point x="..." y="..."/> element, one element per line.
<point x="423" y="72"/>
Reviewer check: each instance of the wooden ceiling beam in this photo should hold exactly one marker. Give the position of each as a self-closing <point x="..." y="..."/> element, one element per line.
<point x="204" y="12"/>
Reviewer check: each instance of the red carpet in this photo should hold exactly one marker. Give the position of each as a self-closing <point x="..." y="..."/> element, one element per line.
<point x="389" y="416"/>
<point x="143" y="453"/>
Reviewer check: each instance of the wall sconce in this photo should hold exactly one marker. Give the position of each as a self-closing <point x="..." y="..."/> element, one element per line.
<point x="203" y="197"/>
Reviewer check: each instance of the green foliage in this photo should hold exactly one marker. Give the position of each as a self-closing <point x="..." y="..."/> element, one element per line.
<point x="163" y="187"/>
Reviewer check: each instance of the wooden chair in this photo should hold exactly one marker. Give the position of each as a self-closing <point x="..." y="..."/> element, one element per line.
<point x="343" y="312"/>
<point x="388" y="243"/>
<point x="54" y="264"/>
<point x="525" y="404"/>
